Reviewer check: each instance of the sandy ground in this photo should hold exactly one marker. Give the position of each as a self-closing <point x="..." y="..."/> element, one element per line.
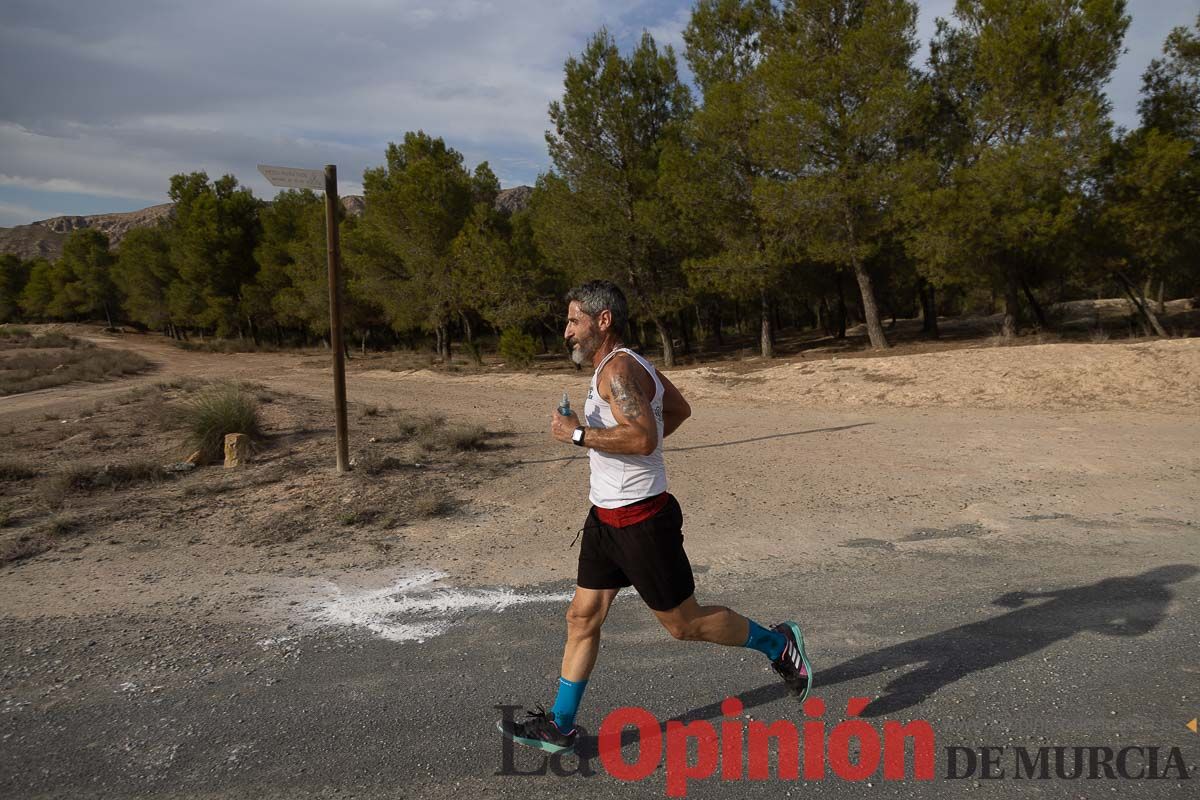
<point x="794" y="464"/>
<point x="951" y="472"/>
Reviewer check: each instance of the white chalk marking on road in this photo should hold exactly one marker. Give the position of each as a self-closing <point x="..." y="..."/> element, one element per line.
<point x="414" y="608"/>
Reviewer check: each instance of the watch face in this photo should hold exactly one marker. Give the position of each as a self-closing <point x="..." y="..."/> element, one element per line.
<point x="577" y="436"/>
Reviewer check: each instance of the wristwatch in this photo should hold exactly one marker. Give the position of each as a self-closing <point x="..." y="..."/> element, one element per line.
<point x="577" y="436"/>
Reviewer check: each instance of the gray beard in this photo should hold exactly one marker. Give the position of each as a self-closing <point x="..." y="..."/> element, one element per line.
<point x="578" y="356"/>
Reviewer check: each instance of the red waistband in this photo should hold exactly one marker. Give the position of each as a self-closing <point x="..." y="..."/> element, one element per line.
<point x="633" y="513"/>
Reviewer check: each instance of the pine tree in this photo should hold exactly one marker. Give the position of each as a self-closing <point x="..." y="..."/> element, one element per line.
<point x="712" y="171"/>
<point x="602" y="211"/>
<point x="841" y="98"/>
<point x="143" y="272"/>
<point x="1024" y="80"/>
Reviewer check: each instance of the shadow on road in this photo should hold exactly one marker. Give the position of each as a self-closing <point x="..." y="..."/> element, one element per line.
<point x="706" y="446"/>
<point x="1124" y="606"/>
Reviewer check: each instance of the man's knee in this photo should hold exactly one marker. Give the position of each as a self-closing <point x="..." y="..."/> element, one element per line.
<point x="584" y="620"/>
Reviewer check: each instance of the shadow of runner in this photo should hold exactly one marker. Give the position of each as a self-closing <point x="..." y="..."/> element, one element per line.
<point x="1124" y="606"/>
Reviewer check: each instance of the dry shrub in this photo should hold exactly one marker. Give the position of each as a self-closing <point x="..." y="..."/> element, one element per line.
<point x="83" y="478"/>
<point x="432" y="503"/>
<point x="410" y="425"/>
<point x="278" y="529"/>
<point x="12" y="470"/>
<point x="30" y="369"/>
<point x="456" y="438"/>
<point x="374" y="463"/>
<point x="57" y="340"/>
<point x="217" y="411"/>
<point x="368" y="411"/>
<point x="14" y="332"/>
<point x="20" y="548"/>
<point x="60" y="526"/>
<point x="228" y="346"/>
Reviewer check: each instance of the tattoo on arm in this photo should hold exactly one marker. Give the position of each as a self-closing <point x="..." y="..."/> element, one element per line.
<point x="628" y="396"/>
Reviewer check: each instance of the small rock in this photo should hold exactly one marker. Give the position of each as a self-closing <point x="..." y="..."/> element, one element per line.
<point x="237" y="450"/>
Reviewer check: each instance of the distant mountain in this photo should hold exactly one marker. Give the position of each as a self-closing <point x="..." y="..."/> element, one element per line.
<point x="45" y="238"/>
<point x="514" y="199"/>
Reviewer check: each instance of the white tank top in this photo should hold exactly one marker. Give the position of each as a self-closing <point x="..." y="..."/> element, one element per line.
<point x="618" y="480"/>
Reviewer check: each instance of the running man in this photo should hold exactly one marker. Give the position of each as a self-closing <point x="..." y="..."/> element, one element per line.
<point x="633" y="533"/>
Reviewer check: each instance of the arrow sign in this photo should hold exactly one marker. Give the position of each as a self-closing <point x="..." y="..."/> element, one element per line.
<point x="1192" y="726"/>
<point x="293" y="177"/>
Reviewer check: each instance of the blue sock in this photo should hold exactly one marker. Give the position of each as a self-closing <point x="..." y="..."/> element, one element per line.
<point x="771" y="643"/>
<point x="566" y="703"/>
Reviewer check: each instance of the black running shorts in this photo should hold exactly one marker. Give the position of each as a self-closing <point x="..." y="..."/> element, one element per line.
<point x="647" y="555"/>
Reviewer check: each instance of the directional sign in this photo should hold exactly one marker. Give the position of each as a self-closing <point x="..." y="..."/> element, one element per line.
<point x="293" y="177"/>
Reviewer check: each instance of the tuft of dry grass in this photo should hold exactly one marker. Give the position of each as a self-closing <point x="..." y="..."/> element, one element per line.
<point x="432" y="503"/>
<point x="372" y="462"/>
<point x="455" y="438"/>
<point x="368" y="411"/>
<point x="278" y="528"/>
<point x="54" y="359"/>
<point x="22" y="547"/>
<point x="61" y="526"/>
<point x="13" y="470"/>
<point x="410" y="425"/>
<point x="228" y="346"/>
<point x="55" y="490"/>
<point x="216" y="411"/>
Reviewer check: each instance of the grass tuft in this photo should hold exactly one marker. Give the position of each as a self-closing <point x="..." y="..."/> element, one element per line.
<point x="455" y="438"/>
<point x="12" y="470"/>
<point x="216" y="411"/>
<point x="23" y="547"/>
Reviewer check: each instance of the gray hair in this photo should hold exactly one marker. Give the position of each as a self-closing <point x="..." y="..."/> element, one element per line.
<point x="596" y="296"/>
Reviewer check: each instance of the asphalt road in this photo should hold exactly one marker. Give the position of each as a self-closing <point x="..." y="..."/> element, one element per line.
<point x="1020" y="645"/>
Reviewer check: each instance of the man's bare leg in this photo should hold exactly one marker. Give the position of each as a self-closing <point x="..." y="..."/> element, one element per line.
<point x="783" y="644"/>
<point x="693" y="622"/>
<point x="585" y="616"/>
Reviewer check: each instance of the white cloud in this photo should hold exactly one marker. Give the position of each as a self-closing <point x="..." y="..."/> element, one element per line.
<point x="18" y="214"/>
<point x="112" y="98"/>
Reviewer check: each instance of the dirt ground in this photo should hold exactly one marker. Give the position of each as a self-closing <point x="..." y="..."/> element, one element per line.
<point x="797" y="462"/>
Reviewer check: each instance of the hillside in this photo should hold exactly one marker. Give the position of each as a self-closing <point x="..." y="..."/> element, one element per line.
<point x="45" y="237"/>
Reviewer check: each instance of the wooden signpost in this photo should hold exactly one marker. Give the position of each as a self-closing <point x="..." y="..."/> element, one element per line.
<point x="318" y="180"/>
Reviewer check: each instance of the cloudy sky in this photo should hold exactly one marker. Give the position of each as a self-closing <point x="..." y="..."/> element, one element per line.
<point x="101" y="102"/>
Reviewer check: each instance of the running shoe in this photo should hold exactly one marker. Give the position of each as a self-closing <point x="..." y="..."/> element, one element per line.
<point x="539" y="730"/>
<point x="792" y="664"/>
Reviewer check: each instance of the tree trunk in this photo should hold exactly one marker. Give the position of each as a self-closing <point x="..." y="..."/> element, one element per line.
<point x="1143" y="309"/>
<point x="716" y="322"/>
<point x="467" y="329"/>
<point x="685" y="331"/>
<point x="664" y="335"/>
<point x="768" y="349"/>
<point x="929" y="324"/>
<point x="1162" y="303"/>
<point x="867" y="292"/>
<point x="364" y="341"/>
<point x="1034" y="304"/>
<point x="1012" y="308"/>
<point x="841" y="308"/>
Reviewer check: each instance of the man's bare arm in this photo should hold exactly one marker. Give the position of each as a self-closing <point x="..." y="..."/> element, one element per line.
<point x="627" y="388"/>
<point x="675" y="408"/>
